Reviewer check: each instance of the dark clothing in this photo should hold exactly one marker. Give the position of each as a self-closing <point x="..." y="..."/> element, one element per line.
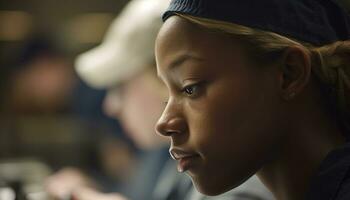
<point x="332" y="181"/>
<point x="144" y="181"/>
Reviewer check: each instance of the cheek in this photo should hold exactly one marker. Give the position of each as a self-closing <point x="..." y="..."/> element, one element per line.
<point x="242" y="109"/>
<point x="234" y="130"/>
<point x="238" y="121"/>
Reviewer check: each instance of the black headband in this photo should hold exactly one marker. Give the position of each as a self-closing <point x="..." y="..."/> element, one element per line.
<point x="314" y="21"/>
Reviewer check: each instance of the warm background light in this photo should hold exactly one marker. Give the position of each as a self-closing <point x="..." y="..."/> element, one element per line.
<point x="15" y="25"/>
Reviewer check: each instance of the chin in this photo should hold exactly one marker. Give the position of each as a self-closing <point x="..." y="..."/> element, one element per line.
<point x="211" y="188"/>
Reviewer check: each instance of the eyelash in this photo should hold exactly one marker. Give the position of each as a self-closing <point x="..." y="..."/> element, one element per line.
<point x="194" y="94"/>
<point x="192" y="90"/>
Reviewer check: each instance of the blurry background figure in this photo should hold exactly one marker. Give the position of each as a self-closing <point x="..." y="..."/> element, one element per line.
<point x="124" y="64"/>
<point x="49" y="118"/>
<point x="42" y="82"/>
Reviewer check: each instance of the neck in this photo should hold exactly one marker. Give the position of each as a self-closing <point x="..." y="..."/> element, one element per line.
<point x="289" y="176"/>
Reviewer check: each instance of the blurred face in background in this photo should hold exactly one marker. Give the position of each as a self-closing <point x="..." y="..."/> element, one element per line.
<point x="44" y="85"/>
<point x="137" y="104"/>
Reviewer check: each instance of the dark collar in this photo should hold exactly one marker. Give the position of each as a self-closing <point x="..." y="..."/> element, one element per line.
<point x="331" y="174"/>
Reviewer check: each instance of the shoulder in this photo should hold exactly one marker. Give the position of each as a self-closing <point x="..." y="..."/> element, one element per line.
<point x="332" y="180"/>
<point x="344" y="190"/>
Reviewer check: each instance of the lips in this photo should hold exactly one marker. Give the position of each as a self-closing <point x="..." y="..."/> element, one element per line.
<point x="185" y="158"/>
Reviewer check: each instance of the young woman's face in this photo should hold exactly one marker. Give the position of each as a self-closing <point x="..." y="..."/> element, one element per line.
<point x="222" y="114"/>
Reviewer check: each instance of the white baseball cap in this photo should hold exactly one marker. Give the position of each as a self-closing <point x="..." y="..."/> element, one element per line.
<point x="127" y="48"/>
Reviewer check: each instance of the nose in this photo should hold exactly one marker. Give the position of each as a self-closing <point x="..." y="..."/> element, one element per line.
<point x="171" y="122"/>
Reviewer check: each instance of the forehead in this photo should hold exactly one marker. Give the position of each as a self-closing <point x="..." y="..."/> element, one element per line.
<point x="179" y="38"/>
<point x="179" y="34"/>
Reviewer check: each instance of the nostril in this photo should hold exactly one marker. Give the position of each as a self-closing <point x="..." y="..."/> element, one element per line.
<point x="170" y="133"/>
<point x="161" y="128"/>
<point x="170" y="127"/>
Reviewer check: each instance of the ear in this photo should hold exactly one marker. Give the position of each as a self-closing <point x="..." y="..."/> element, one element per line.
<point x="296" y="70"/>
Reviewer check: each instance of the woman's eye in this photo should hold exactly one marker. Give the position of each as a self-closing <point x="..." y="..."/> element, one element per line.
<point x="191" y="90"/>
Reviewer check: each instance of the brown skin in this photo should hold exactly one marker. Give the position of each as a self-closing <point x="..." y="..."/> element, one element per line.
<point x="237" y="116"/>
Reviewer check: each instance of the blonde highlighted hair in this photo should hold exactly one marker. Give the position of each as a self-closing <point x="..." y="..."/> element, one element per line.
<point x="330" y="63"/>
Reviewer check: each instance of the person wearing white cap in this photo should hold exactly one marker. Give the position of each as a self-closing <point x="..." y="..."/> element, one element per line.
<point x="124" y="64"/>
<point x="123" y="61"/>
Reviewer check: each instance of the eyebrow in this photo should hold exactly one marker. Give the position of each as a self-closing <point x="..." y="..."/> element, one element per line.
<point x="181" y="59"/>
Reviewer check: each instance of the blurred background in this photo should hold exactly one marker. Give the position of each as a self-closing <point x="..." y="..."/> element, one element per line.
<point x="48" y="117"/>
